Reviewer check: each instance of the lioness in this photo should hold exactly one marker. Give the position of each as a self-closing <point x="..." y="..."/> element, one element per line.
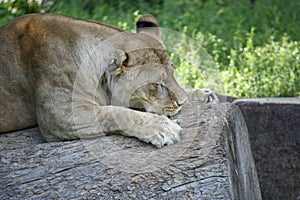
<point x="79" y="79"/>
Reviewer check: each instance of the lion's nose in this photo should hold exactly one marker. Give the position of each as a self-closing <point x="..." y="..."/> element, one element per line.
<point x="179" y="104"/>
<point x="182" y="100"/>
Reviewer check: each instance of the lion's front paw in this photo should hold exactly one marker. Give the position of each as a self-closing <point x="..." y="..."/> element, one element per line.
<point x="205" y="95"/>
<point x="166" y="132"/>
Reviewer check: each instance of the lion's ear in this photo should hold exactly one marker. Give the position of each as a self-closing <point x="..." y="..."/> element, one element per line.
<point x="117" y="64"/>
<point x="149" y="25"/>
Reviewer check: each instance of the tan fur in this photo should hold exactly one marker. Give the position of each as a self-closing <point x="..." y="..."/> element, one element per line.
<point x="77" y="79"/>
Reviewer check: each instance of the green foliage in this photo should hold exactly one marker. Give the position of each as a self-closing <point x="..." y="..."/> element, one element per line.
<point x="10" y="9"/>
<point x="255" y="46"/>
<point x="264" y="71"/>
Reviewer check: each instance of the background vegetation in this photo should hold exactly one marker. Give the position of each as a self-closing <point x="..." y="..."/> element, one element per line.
<point x="255" y="44"/>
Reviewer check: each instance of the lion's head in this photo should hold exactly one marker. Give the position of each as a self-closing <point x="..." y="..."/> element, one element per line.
<point x="143" y="73"/>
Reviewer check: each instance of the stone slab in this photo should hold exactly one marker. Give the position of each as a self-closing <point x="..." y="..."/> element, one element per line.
<point x="274" y="132"/>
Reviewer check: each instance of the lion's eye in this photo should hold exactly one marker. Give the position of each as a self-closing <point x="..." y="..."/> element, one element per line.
<point x="155" y="89"/>
<point x="152" y="87"/>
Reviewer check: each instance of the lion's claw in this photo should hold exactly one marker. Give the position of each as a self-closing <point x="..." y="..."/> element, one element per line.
<point x="168" y="135"/>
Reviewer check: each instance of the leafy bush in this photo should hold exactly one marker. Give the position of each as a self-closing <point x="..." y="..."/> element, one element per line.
<point x="254" y="45"/>
<point x="264" y="71"/>
<point x="10" y="9"/>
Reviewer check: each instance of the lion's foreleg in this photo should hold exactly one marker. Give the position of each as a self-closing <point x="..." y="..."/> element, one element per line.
<point x="150" y="128"/>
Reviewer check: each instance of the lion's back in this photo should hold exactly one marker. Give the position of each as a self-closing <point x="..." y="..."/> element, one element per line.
<point x="29" y="45"/>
